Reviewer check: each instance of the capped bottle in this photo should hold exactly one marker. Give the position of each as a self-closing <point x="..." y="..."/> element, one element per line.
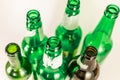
<point x="100" y="38"/>
<point x="84" y="67"/>
<point x="69" y="31"/>
<point x="33" y="46"/>
<point x="17" y="68"/>
<point x="52" y="67"/>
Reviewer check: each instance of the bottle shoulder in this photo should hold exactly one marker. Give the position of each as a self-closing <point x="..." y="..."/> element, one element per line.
<point x="17" y="73"/>
<point x="97" y="39"/>
<point x="61" y="29"/>
<point x="51" y="74"/>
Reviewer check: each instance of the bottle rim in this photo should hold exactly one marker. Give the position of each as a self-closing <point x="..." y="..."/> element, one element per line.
<point x="112" y="11"/>
<point x="53" y="43"/>
<point x="33" y="14"/>
<point x="73" y="4"/>
<point x="91" y="51"/>
<point x="33" y="20"/>
<point x="12" y="48"/>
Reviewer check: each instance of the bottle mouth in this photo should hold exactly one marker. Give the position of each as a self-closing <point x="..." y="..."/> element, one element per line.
<point x="33" y="14"/>
<point x="73" y="4"/>
<point x="12" y="48"/>
<point x="33" y="20"/>
<point x="72" y="8"/>
<point x="112" y="11"/>
<point x="91" y="52"/>
<point x="54" y="43"/>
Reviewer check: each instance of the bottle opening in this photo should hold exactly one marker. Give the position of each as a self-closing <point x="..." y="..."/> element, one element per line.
<point x="11" y="48"/>
<point x="33" y="20"/>
<point x="54" y="43"/>
<point x="73" y="4"/>
<point x="91" y="51"/>
<point x="112" y="11"/>
<point x="33" y="14"/>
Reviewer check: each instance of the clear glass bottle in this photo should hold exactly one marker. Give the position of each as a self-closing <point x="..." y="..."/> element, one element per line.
<point x="17" y="68"/>
<point x="33" y="46"/>
<point x="100" y="38"/>
<point x="52" y="67"/>
<point x="69" y="31"/>
<point x="84" y="67"/>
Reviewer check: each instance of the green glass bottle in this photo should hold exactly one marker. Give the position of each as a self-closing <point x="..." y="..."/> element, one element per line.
<point x="69" y="31"/>
<point x="17" y="68"/>
<point x="33" y="46"/>
<point x="84" y="67"/>
<point x="52" y="67"/>
<point x="100" y="38"/>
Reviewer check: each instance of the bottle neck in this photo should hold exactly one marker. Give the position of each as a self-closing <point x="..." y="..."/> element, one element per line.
<point x="54" y="63"/>
<point x="15" y="60"/>
<point x="70" y="22"/>
<point x="105" y="26"/>
<point x="37" y="36"/>
<point x="86" y="64"/>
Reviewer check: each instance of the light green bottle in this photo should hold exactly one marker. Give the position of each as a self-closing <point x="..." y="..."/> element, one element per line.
<point x="100" y="38"/>
<point x="69" y="31"/>
<point x="33" y="46"/>
<point x="84" y="67"/>
<point x="52" y="67"/>
<point x="17" y="68"/>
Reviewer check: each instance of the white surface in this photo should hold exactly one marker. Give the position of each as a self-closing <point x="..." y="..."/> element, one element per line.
<point x="12" y="27"/>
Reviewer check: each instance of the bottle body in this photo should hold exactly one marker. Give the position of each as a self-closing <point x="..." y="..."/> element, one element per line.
<point x="70" y="41"/>
<point x="100" y="38"/>
<point x="52" y="67"/>
<point x="17" y="68"/>
<point x="102" y="42"/>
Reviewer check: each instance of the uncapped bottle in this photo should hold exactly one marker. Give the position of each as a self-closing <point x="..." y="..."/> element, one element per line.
<point x="69" y="31"/>
<point x="84" y="67"/>
<point x="17" y="68"/>
<point x="52" y="67"/>
<point x="100" y="38"/>
<point x="33" y="46"/>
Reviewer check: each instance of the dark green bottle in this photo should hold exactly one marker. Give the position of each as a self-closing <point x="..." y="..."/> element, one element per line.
<point x="52" y="67"/>
<point x="84" y="67"/>
<point x="33" y="46"/>
<point x="17" y="68"/>
<point x="69" y="31"/>
<point x="100" y="38"/>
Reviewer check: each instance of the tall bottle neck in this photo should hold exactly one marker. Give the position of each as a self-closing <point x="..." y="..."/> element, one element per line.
<point x="14" y="61"/>
<point x="71" y="16"/>
<point x="107" y="22"/>
<point x="14" y="55"/>
<point x="70" y="23"/>
<point x="105" y="26"/>
<point x="38" y="34"/>
<point x="34" y="24"/>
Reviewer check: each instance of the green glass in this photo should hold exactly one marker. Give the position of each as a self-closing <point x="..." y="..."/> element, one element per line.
<point x="33" y="46"/>
<point x="69" y="31"/>
<point x="84" y="67"/>
<point x="100" y="38"/>
<point x="17" y="68"/>
<point x="52" y="67"/>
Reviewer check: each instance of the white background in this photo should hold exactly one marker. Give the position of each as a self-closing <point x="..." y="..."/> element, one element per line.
<point x="13" y="28"/>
